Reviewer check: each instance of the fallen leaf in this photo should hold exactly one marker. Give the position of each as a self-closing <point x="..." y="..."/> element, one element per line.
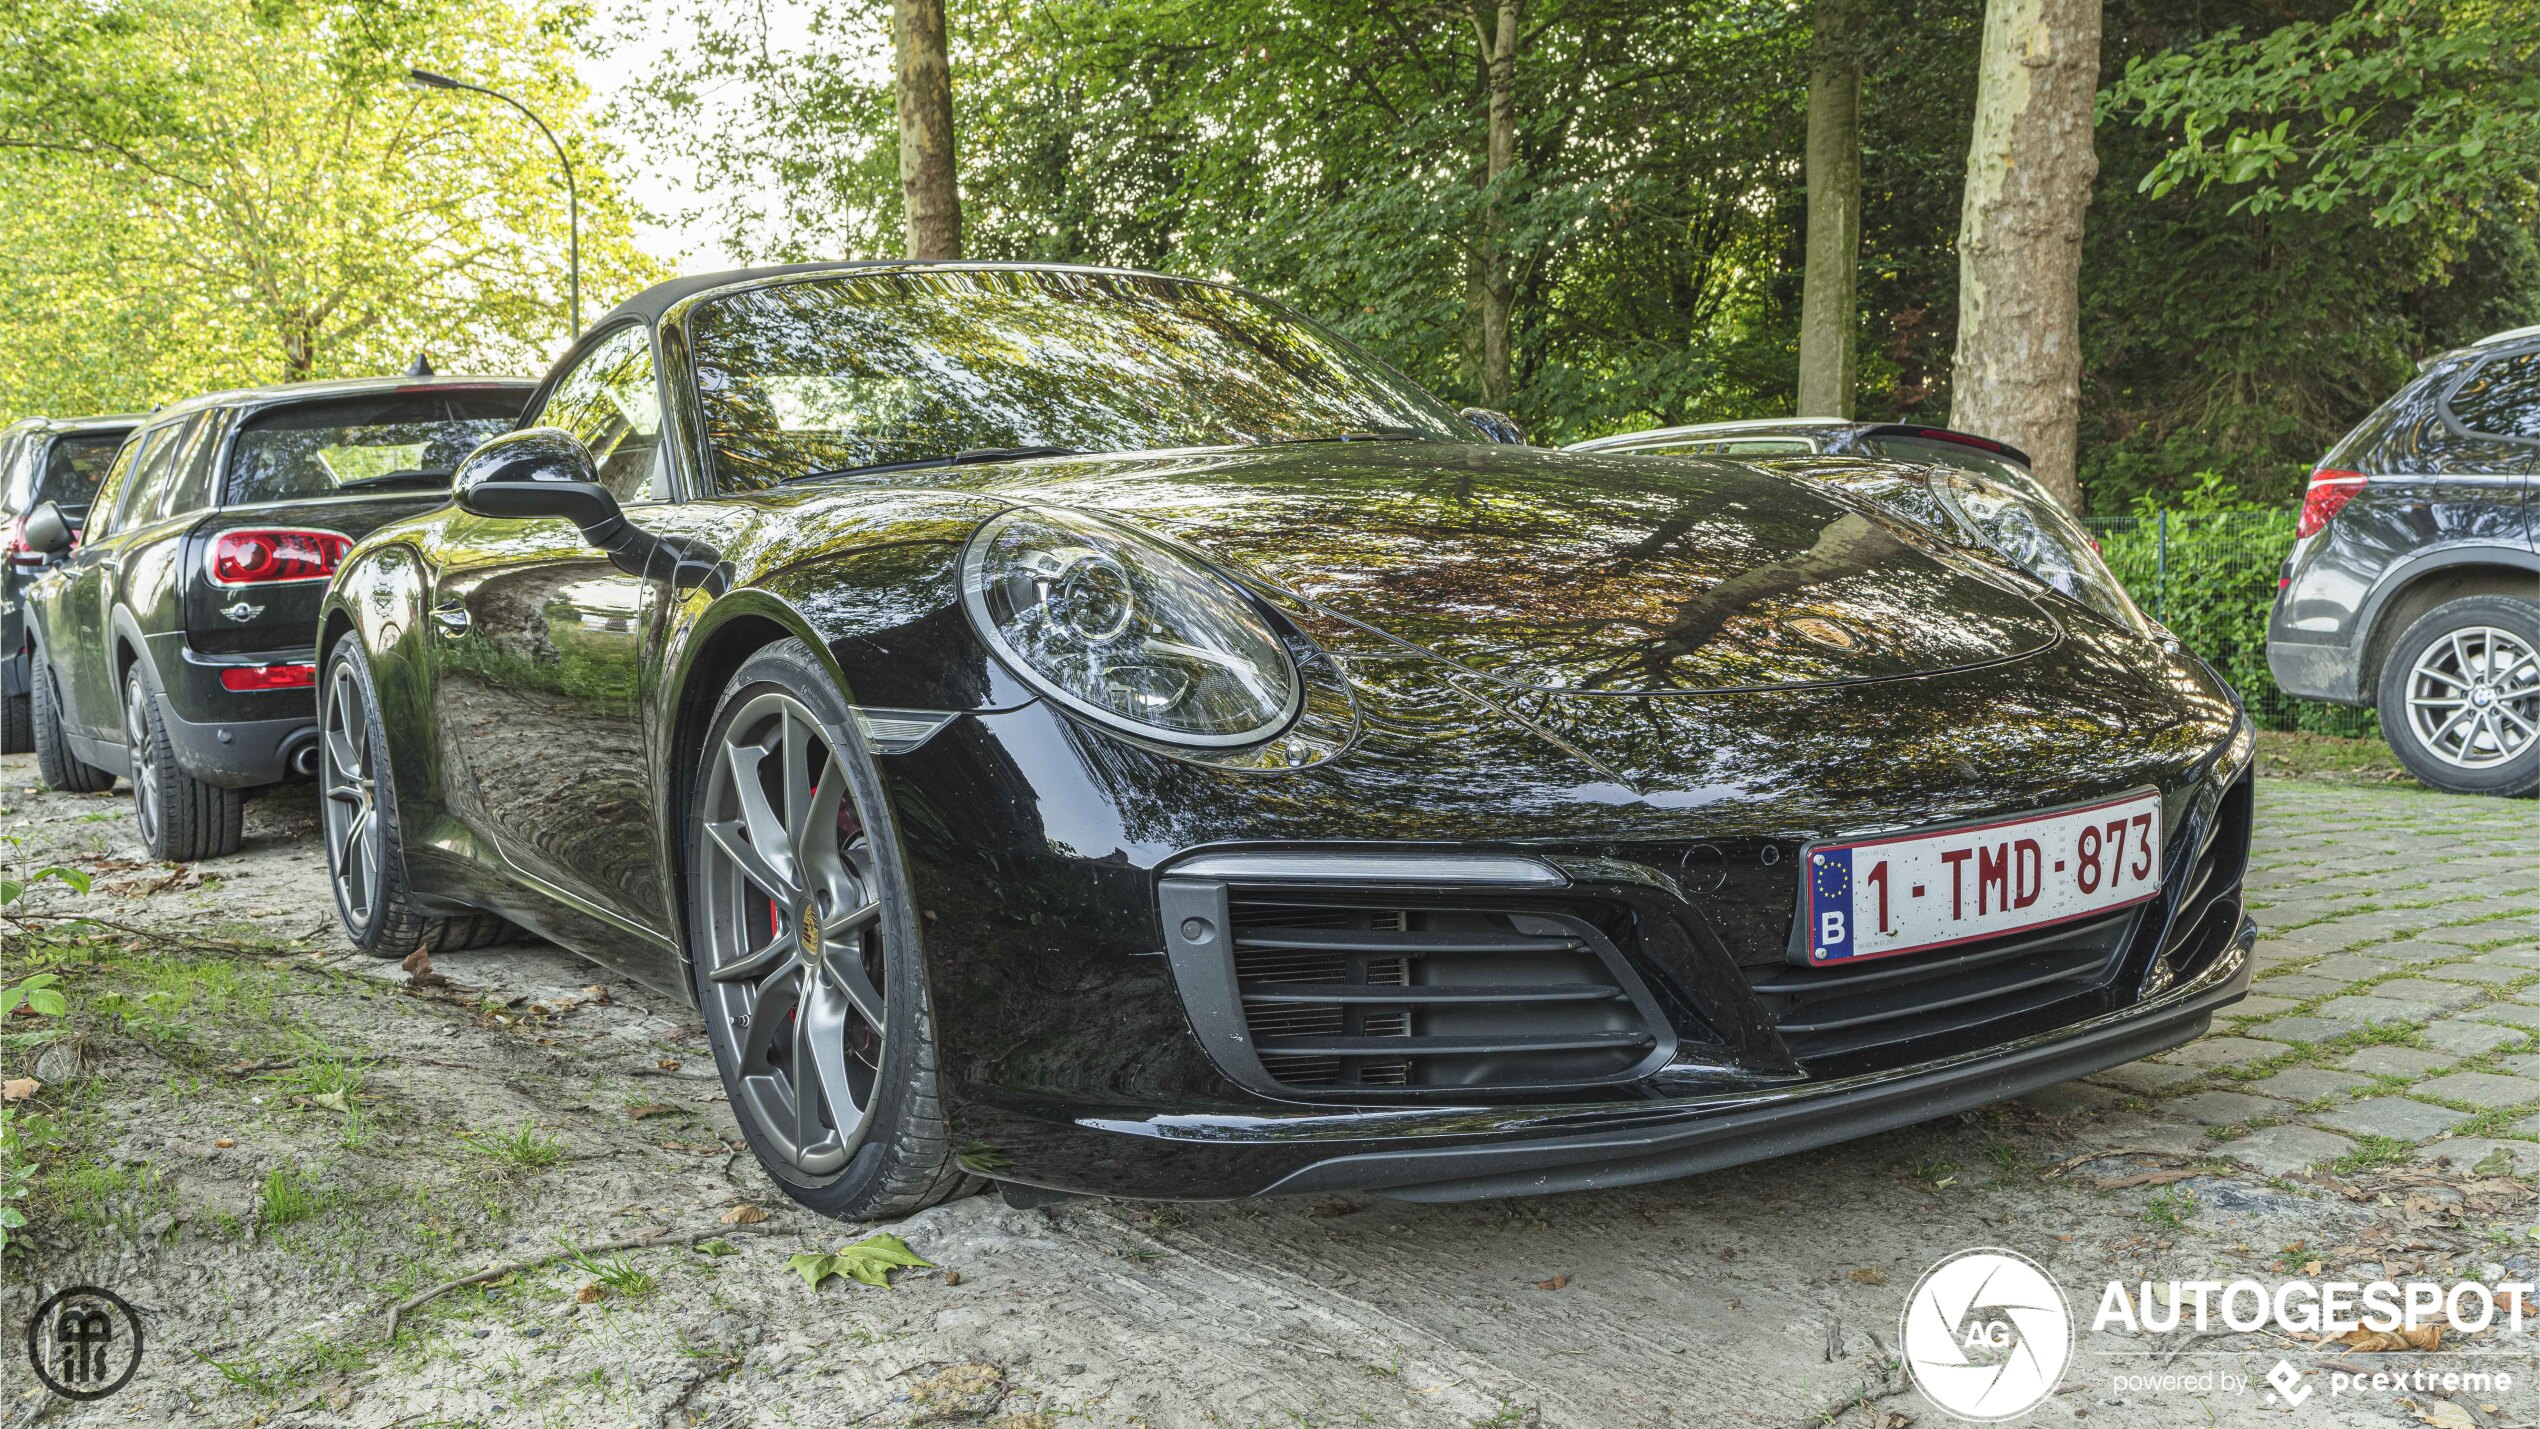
<point x="417" y="963"/>
<point x="224" y="1143"/>
<point x="2428" y="1339"/>
<point x="332" y="1101"/>
<point x="588" y="1295"/>
<point x="870" y="1260"/>
<point x="2447" y="1415"/>
<point x="1869" y="1275"/>
<point x="596" y="993"/>
<point x="742" y="1216"/>
<point x="717" y="1248"/>
<point x="1554" y="1283"/>
<point x="668" y="1064"/>
<point x="1331" y="1210"/>
<point x="18" y="1089"/>
<point x="952" y="1277"/>
<point x="652" y="1109"/>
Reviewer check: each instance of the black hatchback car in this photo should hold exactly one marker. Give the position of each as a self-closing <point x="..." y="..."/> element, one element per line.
<point x="41" y="459"/>
<point x="172" y="644"/>
<point x="2413" y="584"/>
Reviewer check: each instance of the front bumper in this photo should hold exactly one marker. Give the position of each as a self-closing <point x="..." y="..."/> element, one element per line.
<point x="1706" y="1134"/>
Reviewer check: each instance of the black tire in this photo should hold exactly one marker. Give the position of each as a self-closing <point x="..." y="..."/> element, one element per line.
<point x="54" y="762"/>
<point x="377" y="906"/>
<point x="2460" y="696"/>
<point x="901" y="1160"/>
<point x="17" y="724"/>
<point x="181" y="817"/>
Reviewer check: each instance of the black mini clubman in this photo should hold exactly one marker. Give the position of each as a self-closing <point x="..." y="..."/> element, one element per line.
<point x="171" y="640"/>
<point x="41" y="459"/>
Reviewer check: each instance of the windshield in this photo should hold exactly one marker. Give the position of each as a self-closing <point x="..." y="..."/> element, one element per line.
<point x="314" y="448"/>
<point x="876" y="369"/>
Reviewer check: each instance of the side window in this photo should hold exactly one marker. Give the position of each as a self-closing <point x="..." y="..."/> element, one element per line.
<point x="2501" y="398"/>
<point x="134" y="481"/>
<point x="191" y="487"/>
<point x="611" y="402"/>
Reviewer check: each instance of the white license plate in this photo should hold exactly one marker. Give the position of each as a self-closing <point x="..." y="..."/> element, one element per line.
<point x="1876" y="898"/>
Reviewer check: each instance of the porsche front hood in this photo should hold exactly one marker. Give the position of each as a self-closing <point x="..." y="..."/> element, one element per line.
<point x="1571" y="572"/>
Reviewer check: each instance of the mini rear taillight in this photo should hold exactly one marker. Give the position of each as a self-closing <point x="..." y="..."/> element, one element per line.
<point x="2330" y="490"/>
<point x="256" y="557"/>
<point x="246" y="678"/>
<point x="17" y="539"/>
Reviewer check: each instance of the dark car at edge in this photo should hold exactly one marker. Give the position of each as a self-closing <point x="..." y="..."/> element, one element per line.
<point x="41" y="459"/>
<point x="171" y="637"/>
<point x="1104" y="733"/>
<point x="2413" y="585"/>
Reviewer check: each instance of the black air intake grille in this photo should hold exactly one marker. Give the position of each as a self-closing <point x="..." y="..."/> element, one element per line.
<point x="2209" y="899"/>
<point x="1865" y="1015"/>
<point x="1338" y="993"/>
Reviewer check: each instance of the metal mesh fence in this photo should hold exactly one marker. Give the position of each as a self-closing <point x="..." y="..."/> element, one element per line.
<point x="2210" y="577"/>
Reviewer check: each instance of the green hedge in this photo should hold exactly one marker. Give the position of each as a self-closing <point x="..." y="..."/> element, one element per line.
<point x="2209" y="573"/>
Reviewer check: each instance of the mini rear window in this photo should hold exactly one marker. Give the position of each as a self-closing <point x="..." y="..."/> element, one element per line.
<point x="311" y="449"/>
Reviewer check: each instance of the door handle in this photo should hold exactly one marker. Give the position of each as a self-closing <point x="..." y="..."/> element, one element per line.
<point x="452" y="617"/>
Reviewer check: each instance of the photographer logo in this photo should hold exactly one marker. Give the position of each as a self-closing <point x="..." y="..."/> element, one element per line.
<point x="1986" y="1334"/>
<point x="85" y="1343"/>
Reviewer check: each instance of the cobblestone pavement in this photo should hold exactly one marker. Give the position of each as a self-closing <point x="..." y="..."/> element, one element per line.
<point x="2395" y="1012"/>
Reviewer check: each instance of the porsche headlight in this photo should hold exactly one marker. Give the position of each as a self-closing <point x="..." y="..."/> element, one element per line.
<point x="2034" y="532"/>
<point x="1125" y="631"/>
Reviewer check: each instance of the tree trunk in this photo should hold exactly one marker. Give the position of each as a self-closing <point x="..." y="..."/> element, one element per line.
<point x="2016" y="376"/>
<point x="1498" y="287"/>
<point x="1826" y="305"/>
<point x="931" y="199"/>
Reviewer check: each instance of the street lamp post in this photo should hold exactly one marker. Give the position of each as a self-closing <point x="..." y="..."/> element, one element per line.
<point x="426" y="79"/>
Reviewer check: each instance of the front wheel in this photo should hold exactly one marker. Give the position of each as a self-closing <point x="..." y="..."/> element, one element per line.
<point x="54" y="762"/>
<point x="357" y="804"/>
<point x="804" y="952"/>
<point x="2460" y="696"/>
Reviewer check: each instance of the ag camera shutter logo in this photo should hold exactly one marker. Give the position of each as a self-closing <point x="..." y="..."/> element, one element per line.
<point x="1986" y="1334"/>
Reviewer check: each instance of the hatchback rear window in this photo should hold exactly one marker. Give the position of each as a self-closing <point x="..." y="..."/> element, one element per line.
<point x="2502" y="398"/>
<point x="319" y="448"/>
<point x="75" y="466"/>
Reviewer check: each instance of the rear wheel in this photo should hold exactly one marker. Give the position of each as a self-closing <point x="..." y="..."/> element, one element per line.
<point x="54" y="762"/>
<point x="181" y="817"/>
<point x="2460" y="696"/>
<point x="357" y="804"/>
<point x="804" y="951"/>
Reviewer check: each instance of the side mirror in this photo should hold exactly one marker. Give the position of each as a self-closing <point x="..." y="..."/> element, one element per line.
<point x="546" y="472"/>
<point x="1498" y="426"/>
<point x="539" y="472"/>
<point x="48" y="532"/>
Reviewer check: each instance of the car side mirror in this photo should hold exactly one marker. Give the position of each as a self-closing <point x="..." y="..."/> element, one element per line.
<point x="48" y="531"/>
<point x="1498" y="426"/>
<point x="547" y="473"/>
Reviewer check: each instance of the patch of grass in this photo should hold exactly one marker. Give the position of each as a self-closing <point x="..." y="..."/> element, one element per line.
<point x="525" y="1147"/>
<point x="288" y="1198"/>
<point x="617" y="1273"/>
<point x="2370" y="1152"/>
<point x="1931" y="1172"/>
<point x="2170" y="1209"/>
<point x="250" y="1376"/>
<point x="2003" y="1154"/>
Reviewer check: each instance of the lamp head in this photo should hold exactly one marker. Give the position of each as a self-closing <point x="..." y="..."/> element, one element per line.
<point x="426" y="79"/>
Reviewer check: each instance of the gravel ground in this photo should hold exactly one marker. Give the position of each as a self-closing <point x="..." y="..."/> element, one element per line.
<point x="265" y="1141"/>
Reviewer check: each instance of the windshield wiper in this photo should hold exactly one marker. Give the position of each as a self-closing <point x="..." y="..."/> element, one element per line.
<point x="965" y="457"/>
<point x="1364" y="434"/>
<point x="414" y="477"/>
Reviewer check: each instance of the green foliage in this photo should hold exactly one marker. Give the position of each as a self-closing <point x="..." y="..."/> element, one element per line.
<point x="870" y="1261"/>
<point x="289" y="1197"/>
<point x="35" y="992"/>
<point x="222" y="192"/>
<point x="2422" y="111"/>
<point x="525" y="1147"/>
<point x="617" y="1273"/>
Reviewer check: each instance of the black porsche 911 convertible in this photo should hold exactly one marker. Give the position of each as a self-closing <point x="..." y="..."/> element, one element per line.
<point x="1104" y="733"/>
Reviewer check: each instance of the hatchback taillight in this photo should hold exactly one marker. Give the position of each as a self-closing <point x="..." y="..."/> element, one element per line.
<point x="246" y="678"/>
<point x="257" y="557"/>
<point x="2330" y="490"/>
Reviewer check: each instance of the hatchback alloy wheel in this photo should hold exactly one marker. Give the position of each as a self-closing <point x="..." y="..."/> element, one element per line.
<point x="146" y="804"/>
<point x="793" y="963"/>
<point x="2474" y="697"/>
